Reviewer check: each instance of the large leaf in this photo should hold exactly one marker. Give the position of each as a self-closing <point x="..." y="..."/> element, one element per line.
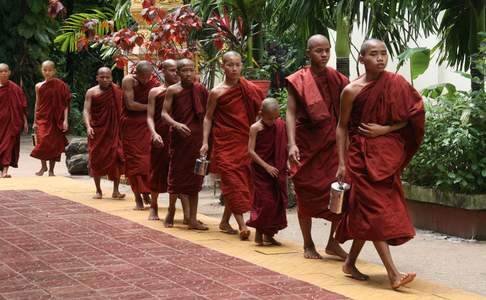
<point x="419" y="60"/>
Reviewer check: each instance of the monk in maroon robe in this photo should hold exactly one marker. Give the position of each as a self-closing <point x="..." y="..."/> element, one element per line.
<point x="268" y="149"/>
<point x="52" y="103"/>
<point x="13" y="121"/>
<point x="159" y="154"/>
<point x="312" y="113"/>
<point x="183" y="110"/>
<point x="232" y="108"/>
<point x="384" y="117"/>
<point x="135" y="133"/>
<point x="102" y="112"/>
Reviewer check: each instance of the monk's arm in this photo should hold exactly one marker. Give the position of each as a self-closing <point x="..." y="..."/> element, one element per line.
<point x="294" y="154"/>
<point x="374" y="130"/>
<point x="129" y="96"/>
<point x="208" y="121"/>
<point x="347" y="98"/>
<point x="87" y="112"/>
<point x="151" y="110"/>
<point x="34" y="123"/>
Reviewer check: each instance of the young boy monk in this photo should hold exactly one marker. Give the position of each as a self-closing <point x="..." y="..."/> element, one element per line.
<point x="159" y="154"/>
<point x="268" y="149"/>
<point x="102" y="112"/>
<point x="50" y="118"/>
<point x="312" y="114"/>
<point x="183" y="110"/>
<point x="384" y="118"/>
<point x="232" y="107"/>
<point x="13" y="121"/>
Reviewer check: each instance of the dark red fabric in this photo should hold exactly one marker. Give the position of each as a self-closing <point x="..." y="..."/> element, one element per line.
<point x="54" y="97"/>
<point x="377" y="209"/>
<point x="185" y="150"/>
<point x="316" y="139"/>
<point x="13" y="104"/>
<point x="159" y="156"/>
<point x="268" y="213"/>
<point x="236" y="110"/>
<point x="136" y="139"/>
<point x="105" y="148"/>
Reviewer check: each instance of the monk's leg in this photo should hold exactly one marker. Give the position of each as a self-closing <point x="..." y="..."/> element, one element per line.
<point x="138" y="201"/>
<point x="258" y="237"/>
<point x="5" y="172"/>
<point x="146" y="198"/>
<point x="154" y="207"/>
<point x="224" y="225"/>
<point x="349" y="266"/>
<point x="52" y="164"/>
<point x="244" y="231"/>
<point x="333" y="248"/>
<point x="193" y="223"/>
<point x="99" y="193"/>
<point x="116" y="192"/>
<point x="396" y="278"/>
<point x="309" y="247"/>
<point x="270" y="240"/>
<point x="169" y="218"/>
<point x="43" y="168"/>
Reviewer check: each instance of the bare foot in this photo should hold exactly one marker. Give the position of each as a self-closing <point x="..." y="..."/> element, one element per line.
<point x="117" y="195"/>
<point x="354" y="273"/>
<point x="98" y="195"/>
<point x="169" y="219"/>
<point x="51" y="173"/>
<point x="146" y="199"/>
<point x="270" y="241"/>
<point x="138" y="204"/>
<point x="311" y="253"/>
<point x="258" y="238"/>
<point x="403" y="280"/>
<point x="153" y="215"/>
<point x="41" y="172"/>
<point x="334" y="249"/>
<point x="197" y="226"/>
<point x="226" y="228"/>
<point x="7" y="176"/>
<point x="186" y="222"/>
<point x="245" y="235"/>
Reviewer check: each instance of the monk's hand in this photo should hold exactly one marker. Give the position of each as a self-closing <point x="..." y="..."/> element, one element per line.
<point x="34" y="126"/>
<point x="183" y="129"/>
<point x="90" y="132"/>
<point x="272" y="171"/>
<point x="294" y="155"/>
<point x="341" y="173"/>
<point x="373" y="130"/>
<point x="157" y="140"/>
<point x="26" y="128"/>
<point x="65" y="126"/>
<point x="204" y="150"/>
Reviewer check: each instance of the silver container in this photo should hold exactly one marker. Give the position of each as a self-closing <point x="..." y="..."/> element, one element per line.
<point x="338" y="189"/>
<point x="201" y="166"/>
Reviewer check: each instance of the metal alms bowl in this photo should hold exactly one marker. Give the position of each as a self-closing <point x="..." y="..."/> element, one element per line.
<point x="338" y="189"/>
<point x="201" y="166"/>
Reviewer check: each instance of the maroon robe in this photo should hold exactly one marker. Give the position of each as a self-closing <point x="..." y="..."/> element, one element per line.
<point x="105" y="148"/>
<point x="53" y="98"/>
<point x="136" y="139"/>
<point x="188" y="107"/>
<point x="268" y="213"/>
<point x="317" y="113"/>
<point x="236" y="110"/>
<point x="159" y="156"/>
<point x="13" y="104"/>
<point x="376" y="209"/>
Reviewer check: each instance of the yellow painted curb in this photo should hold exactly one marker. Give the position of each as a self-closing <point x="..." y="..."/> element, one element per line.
<point x="287" y="260"/>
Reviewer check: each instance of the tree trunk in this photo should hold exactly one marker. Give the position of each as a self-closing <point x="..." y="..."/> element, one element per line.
<point x="477" y="81"/>
<point x="342" y="65"/>
<point x="343" y="49"/>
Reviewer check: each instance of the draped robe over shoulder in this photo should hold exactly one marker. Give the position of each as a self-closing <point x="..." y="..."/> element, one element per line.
<point x="53" y="98"/>
<point x="268" y="213"/>
<point x="317" y="113"/>
<point x="376" y="209"/>
<point x="236" y="110"/>
<point x="105" y="148"/>
<point x="188" y="107"/>
<point x="136" y="139"/>
<point x="13" y="104"/>
<point x="159" y="156"/>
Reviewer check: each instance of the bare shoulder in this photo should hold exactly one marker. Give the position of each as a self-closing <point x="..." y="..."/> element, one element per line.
<point x="93" y="90"/>
<point x="174" y="89"/>
<point x="157" y="90"/>
<point x="218" y="90"/>
<point x="128" y="81"/>
<point x="39" y="84"/>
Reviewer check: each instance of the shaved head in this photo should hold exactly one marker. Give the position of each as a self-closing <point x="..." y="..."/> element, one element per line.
<point x="184" y="62"/>
<point x="4" y="66"/>
<point x="317" y="39"/>
<point x="169" y="63"/>
<point x="103" y="70"/>
<point x="231" y="54"/>
<point x="269" y="105"/>
<point x="144" y="68"/>
<point x="48" y="63"/>
<point x="368" y="43"/>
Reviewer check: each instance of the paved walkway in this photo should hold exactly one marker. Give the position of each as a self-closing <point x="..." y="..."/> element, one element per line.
<point x="117" y="251"/>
